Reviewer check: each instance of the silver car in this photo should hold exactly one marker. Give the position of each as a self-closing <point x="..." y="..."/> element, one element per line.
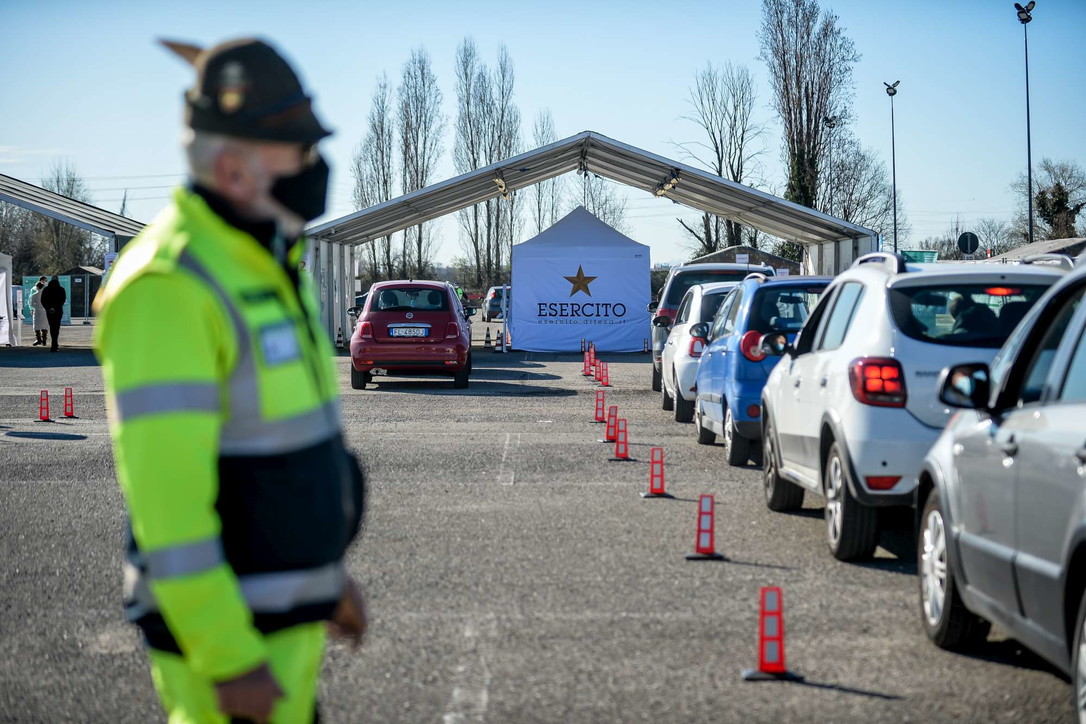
<point x="1002" y="493"/>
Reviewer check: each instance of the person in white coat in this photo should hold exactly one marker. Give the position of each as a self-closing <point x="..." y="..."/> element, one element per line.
<point x="41" y="322"/>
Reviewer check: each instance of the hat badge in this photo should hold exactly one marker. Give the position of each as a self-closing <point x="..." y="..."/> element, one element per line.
<point x="232" y="88"/>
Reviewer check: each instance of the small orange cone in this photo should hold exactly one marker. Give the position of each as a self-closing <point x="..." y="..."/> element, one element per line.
<point x="656" y="475"/>
<point x="605" y="377"/>
<point x="69" y="402"/>
<point x="771" y="665"/>
<point x="622" y="444"/>
<point x="586" y="369"/>
<point x="704" y="548"/>
<point x="591" y="356"/>
<point x="487" y="342"/>
<point x="601" y="416"/>
<point x="43" y="407"/>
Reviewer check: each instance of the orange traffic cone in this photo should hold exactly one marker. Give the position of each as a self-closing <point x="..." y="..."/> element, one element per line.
<point x="704" y="545"/>
<point x="771" y="666"/>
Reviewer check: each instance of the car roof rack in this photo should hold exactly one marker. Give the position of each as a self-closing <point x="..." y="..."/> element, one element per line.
<point x="1061" y="260"/>
<point x="895" y="263"/>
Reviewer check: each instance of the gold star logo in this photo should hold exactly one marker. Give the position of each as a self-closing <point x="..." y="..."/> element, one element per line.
<point x="580" y="282"/>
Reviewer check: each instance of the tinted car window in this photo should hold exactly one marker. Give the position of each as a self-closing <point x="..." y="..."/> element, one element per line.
<point x="409" y="298"/>
<point x="1033" y="381"/>
<point x="962" y="315"/>
<point x="782" y="309"/>
<point x="682" y="282"/>
<point x="840" y="318"/>
<point x="717" y="329"/>
<point x="733" y="313"/>
<point x="1074" y="384"/>
<point x="684" y="310"/>
<point x="710" y="303"/>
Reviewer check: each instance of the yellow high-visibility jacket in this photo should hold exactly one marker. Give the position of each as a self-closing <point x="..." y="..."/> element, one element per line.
<point x="222" y="401"/>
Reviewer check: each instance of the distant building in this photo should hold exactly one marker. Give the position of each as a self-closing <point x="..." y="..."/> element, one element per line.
<point x="755" y="257"/>
<point x="85" y="283"/>
<point x="1071" y="247"/>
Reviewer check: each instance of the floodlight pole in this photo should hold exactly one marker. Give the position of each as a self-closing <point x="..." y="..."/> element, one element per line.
<point x="891" y="90"/>
<point x="831" y="123"/>
<point x="1024" y="17"/>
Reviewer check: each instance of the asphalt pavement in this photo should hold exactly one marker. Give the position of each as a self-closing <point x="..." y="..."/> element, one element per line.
<point x="514" y="573"/>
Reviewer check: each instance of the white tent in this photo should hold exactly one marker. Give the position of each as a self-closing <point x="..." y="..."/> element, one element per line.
<point x="580" y="279"/>
<point x="8" y="325"/>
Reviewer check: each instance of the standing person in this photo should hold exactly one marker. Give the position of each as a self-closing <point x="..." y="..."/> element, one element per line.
<point x="41" y="324"/>
<point x="223" y="400"/>
<point x="53" y="298"/>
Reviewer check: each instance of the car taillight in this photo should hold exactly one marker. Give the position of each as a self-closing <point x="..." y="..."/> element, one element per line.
<point x="452" y="330"/>
<point x="366" y="330"/>
<point x="697" y="346"/>
<point x="878" y="381"/>
<point x="748" y="345"/>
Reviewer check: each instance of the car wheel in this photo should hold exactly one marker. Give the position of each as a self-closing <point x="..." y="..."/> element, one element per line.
<point x="947" y="622"/>
<point x="1078" y="663"/>
<point x="852" y="529"/>
<point x="705" y="435"/>
<point x="460" y="379"/>
<point x="666" y="400"/>
<point x="780" y="495"/>
<point x="655" y="379"/>
<point x="359" y="380"/>
<point x="736" y="447"/>
<point x="684" y="409"/>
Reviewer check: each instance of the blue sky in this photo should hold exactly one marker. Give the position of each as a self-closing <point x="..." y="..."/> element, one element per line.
<point x="85" y="81"/>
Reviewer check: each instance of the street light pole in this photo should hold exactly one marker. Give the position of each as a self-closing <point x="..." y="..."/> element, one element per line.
<point x="1024" y="17"/>
<point x="891" y="90"/>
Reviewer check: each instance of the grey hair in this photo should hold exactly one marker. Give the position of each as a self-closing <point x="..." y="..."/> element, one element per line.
<point x="202" y="149"/>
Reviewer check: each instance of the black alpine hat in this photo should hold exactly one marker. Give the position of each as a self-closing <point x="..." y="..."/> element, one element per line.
<point x="245" y="89"/>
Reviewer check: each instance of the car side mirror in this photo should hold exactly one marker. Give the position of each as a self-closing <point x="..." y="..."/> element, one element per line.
<point x="775" y="344"/>
<point x="354" y="311"/>
<point x="661" y="321"/>
<point x="701" y="329"/>
<point x="470" y="311"/>
<point x="652" y="306"/>
<point x="966" y="386"/>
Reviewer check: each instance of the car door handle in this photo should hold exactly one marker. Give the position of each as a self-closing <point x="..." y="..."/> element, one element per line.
<point x="1009" y="448"/>
<point x="822" y="382"/>
<point x="796" y="383"/>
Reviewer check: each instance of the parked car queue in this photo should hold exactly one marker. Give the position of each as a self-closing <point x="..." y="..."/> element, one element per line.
<point x="856" y="407"/>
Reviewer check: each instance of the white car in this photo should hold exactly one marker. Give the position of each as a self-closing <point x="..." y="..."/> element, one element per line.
<point x="852" y="408"/>
<point x="682" y="350"/>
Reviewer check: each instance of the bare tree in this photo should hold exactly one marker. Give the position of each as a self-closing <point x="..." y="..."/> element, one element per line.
<point x="487" y="131"/>
<point x="810" y="61"/>
<point x="722" y="102"/>
<point x="600" y="196"/>
<point x="421" y="126"/>
<point x="373" y="169"/>
<point x="546" y="195"/>
<point x="861" y="191"/>
<point x="17" y="238"/>
<point x="994" y="235"/>
<point x="60" y="245"/>
<point x="1059" y="197"/>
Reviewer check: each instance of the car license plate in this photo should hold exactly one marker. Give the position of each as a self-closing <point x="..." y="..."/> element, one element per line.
<point x="408" y="331"/>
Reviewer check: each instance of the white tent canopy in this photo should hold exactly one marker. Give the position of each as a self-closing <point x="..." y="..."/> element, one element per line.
<point x="579" y="280"/>
<point x="832" y="243"/>
<point x="8" y="323"/>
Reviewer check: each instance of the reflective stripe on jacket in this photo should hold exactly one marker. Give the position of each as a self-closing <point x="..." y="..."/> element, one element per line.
<point x="222" y="400"/>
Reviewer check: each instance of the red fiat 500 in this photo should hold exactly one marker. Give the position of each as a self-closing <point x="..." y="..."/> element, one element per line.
<point x="411" y="328"/>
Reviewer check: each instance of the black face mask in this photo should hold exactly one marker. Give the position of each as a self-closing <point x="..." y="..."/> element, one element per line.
<point x="304" y="193"/>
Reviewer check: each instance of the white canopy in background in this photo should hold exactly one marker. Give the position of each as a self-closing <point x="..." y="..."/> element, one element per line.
<point x="580" y="279"/>
<point x="7" y="314"/>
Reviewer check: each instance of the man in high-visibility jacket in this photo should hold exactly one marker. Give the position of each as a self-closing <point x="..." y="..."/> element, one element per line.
<point x="222" y="397"/>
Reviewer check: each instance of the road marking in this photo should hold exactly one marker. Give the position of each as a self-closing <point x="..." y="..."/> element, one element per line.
<point x="471" y="690"/>
<point x="506" y="476"/>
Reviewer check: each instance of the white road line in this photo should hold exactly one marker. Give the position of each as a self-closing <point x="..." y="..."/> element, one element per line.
<point x="507" y="471"/>
<point x="471" y="688"/>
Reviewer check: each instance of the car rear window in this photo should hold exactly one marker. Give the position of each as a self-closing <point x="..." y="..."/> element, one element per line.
<point x="682" y="282"/>
<point x="420" y="298"/>
<point x="783" y="309"/>
<point x="962" y="315"/>
<point x="710" y="302"/>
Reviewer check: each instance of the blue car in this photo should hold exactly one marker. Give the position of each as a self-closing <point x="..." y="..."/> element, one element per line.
<point x="733" y="368"/>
